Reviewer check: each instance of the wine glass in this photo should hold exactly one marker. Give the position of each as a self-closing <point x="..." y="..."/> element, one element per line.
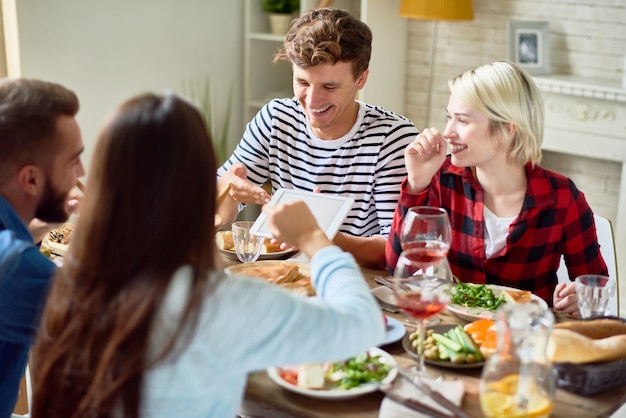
<point x="426" y="223"/>
<point x="422" y="282"/>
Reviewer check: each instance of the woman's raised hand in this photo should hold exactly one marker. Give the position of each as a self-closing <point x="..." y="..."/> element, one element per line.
<point x="423" y="157"/>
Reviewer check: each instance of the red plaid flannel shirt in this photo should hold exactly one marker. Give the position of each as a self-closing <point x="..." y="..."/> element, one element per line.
<point x="555" y="219"/>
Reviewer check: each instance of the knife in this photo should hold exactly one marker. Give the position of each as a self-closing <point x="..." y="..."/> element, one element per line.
<point x="435" y="395"/>
<point x="415" y="405"/>
<point x="383" y="281"/>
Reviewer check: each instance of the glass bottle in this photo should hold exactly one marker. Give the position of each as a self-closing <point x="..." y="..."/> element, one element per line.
<point x="517" y="381"/>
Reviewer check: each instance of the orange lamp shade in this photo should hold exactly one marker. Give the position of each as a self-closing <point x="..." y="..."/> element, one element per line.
<point x="437" y="9"/>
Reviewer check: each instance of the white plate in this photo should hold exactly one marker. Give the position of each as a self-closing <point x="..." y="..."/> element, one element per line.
<point x="471" y="314"/>
<point x="338" y="394"/>
<point x="277" y="255"/>
<point x="385" y="295"/>
<point x="395" y="331"/>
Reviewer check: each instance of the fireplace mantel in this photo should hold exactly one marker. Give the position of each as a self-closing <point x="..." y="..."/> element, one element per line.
<point x="587" y="117"/>
<point x="570" y="85"/>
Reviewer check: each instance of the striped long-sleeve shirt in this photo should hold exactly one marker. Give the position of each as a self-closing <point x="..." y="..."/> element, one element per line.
<point x="366" y="164"/>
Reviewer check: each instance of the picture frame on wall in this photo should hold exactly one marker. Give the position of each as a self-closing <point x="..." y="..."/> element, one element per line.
<point x="529" y="45"/>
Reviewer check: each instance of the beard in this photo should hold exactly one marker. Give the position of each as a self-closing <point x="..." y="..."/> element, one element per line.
<point x="52" y="207"/>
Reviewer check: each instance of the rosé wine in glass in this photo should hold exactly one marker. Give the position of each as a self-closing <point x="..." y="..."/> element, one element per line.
<point x="422" y="282"/>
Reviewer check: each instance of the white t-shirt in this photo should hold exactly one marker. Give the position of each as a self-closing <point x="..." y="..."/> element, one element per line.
<point x="496" y="231"/>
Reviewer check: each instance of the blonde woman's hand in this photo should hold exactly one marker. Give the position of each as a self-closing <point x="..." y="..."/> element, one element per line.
<point x="423" y="157"/>
<point x="565" y="299"/>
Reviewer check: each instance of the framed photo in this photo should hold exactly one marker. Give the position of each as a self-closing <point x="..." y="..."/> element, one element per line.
<point x="529" y="45"/>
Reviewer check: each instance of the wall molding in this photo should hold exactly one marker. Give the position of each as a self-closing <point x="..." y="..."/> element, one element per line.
<point x="581" y="87"/>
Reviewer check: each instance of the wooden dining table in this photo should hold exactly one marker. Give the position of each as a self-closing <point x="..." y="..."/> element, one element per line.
<point x="264" y="398"/>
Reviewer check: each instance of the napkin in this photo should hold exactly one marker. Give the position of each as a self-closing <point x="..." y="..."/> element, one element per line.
<point x="451" y="389"/>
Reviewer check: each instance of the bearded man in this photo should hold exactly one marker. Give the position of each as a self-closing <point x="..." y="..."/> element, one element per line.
<point x="40" y="149"/>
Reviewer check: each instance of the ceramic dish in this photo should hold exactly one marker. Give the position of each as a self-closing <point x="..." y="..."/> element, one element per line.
<point x="278" y="255"/>
<point x="471" y="314"/>
<point x="385" y="297"/>
<point x="337" y="394"/>
<point x="304" y="268"/>
<point x="439" y="329"/>
<point x="275" y="255"/>
<point x="395" y="331"/>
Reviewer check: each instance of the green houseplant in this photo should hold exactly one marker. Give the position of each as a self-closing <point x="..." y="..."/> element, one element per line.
<point x="216" y="116"/>
<point x="281" y="13"/>
<point x="281" y="6"/>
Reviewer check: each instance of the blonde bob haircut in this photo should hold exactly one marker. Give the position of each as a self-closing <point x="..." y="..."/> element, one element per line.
<point x="509" y="97"/>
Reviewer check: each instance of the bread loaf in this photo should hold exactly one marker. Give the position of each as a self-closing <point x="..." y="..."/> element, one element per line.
<point x="595" y="328"/>
<point x="567" y="346"/>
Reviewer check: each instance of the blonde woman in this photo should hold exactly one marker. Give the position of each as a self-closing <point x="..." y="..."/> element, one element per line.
<point x="511" y="219"/>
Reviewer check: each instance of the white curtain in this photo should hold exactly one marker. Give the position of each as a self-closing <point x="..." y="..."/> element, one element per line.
<point x="9" y="44"/>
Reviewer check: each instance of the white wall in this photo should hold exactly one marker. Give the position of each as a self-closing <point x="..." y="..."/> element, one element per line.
<point x="107" y="51"/>
<point x="587" y="39"/>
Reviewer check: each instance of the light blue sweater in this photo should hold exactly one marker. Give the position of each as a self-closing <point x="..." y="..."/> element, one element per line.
<point x="248" y="325"/>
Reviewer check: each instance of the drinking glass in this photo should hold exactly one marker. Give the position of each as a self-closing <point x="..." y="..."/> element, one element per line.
<point x="426" y="224"/>
<point x="422" y="282"/>
<point x="594" y="293"/>
<point x="247" y="246"/>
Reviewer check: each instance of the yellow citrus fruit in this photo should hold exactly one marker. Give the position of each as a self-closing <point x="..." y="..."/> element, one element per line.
<point x="507" y="384"/>
<point x="499" y="400"/>
<point x="500" y="405"/>
<point x="496" y="405"/>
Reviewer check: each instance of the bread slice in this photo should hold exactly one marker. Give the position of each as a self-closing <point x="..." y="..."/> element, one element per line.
<point x="302" y="286"/>
<point x="517" y="296"/>
<point x="224" y="240"/>
<point x="268" y="247"/>
<point x="278" y="273"/>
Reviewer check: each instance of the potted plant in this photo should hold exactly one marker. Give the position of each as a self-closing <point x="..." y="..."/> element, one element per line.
<point x="216" y="116"/>
<point x="281" y="13"/>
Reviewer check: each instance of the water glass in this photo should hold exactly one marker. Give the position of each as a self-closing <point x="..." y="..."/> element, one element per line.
<point x="594" y="294"/>
<point x="247" y="246"/>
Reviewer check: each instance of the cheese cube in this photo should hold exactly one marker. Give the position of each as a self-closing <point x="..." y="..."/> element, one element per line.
<point x="311" y="375"/>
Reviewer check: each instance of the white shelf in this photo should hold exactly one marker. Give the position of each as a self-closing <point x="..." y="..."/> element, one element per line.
<point x="385" y="84"/>
<point x="582" y="87"/>
<point x="261" y="36"/>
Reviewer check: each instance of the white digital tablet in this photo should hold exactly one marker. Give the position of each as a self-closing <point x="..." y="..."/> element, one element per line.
<point x="329" y="210"/>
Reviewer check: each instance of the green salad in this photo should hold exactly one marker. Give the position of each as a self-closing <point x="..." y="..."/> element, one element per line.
<point x="476" y="296"/>
<point x="353" y="372"/>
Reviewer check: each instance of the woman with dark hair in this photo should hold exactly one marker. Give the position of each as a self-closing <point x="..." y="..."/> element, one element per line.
<point x="141" y="323"/>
